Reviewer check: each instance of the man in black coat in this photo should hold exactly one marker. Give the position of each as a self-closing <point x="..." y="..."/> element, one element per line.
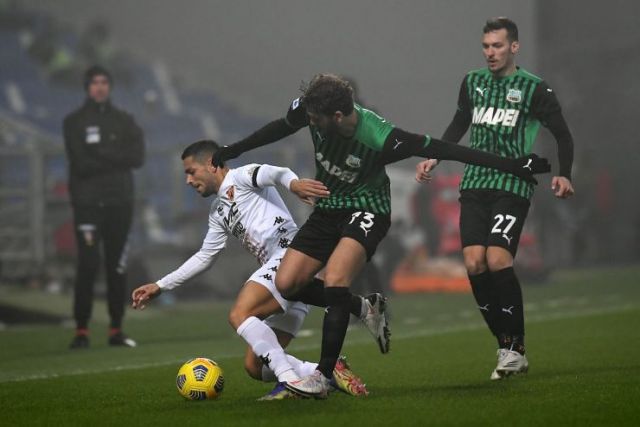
<point x="103" y="145"/>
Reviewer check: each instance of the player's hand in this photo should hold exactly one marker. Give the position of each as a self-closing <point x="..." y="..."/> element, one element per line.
<point x="424" y="168"/>
<point x="144" y="293"/>
<point x="531" y="165"/>
<point x="308" y="190"/>
<point x="223" y="154"/>
<point x="561" y="187"/>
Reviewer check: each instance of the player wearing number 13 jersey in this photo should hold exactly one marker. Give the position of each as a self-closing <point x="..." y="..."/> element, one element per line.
<point x="352" y="145"/>
<point x="504" y="105"/>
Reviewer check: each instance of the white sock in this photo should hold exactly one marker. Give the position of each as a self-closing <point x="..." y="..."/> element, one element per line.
<point x="302" y="367"/>
<point x="264" y="343"/>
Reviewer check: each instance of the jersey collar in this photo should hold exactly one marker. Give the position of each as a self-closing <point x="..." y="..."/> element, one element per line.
<point x="226" y="183"/>
<point x="507" y="78"/>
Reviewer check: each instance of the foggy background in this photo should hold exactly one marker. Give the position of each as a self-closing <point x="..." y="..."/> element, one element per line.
<point x="407" y="59"/>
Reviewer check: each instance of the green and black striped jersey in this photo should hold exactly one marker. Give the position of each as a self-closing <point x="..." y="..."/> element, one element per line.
<point x="351" y="168"/>
<point x="505" y="115"/>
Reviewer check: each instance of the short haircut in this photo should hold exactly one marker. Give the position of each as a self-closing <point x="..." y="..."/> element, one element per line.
<point x="93" y="71"/>
<point x="326" y="94"/>
<point x="499" y="23"/>
<point x="201" y="150"/>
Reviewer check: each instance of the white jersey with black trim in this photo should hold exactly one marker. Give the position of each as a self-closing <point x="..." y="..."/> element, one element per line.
<point x="249" y="208"/>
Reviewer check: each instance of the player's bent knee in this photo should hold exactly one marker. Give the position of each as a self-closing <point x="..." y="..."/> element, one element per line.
<point x="475" y="265"/>
<point x="336" y="278"/>
<point x="499" y="259"/>
<point x="237" y="316"/>
<point x="286" y="286"/>
<point x="498" y="264"/>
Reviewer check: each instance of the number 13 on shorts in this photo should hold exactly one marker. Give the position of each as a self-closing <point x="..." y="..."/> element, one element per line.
<point x="366" y="220"/>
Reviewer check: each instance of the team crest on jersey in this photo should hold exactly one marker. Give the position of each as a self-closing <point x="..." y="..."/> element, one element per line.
<point x="353" y="161"/>
<point x="514" y="95"/>
<point x="230" y="193"/>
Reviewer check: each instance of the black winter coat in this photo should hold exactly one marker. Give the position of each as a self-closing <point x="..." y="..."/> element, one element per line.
<point x="103" y="145"/>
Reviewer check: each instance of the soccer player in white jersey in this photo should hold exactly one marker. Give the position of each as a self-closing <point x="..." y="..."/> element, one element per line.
<point x="248" y="207"/>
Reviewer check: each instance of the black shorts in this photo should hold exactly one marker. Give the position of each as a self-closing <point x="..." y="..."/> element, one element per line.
<point x="492" y="218"/>
<point x="319" y="236"/>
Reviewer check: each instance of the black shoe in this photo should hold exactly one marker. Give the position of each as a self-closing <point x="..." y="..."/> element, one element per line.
<point x="121" y="340"/>
<point x="79" y="341"/>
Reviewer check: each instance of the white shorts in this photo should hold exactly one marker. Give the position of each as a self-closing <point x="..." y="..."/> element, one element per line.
<point x="294" y="311"/>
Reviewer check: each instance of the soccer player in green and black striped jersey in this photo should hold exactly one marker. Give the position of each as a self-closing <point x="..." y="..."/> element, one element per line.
<point x="352" y="145"/>
<point x="505" y="106"/>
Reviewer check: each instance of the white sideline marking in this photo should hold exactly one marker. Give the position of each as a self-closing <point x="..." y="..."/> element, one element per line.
<point x="541" y="318"/>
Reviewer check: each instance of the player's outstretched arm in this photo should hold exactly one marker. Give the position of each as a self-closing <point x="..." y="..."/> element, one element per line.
<point x="143" y="294"/>
<point x="401" y="145"/>
<point x="269" y="133"/>
<point x="523" y="167"/>
<point x="195" y="265"/>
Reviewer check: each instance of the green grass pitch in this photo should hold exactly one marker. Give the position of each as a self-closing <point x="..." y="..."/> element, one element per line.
<point x="583" y="344"/>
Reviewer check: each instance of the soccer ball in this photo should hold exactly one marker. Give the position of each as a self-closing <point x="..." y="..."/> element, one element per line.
<point x="200" y="379"/>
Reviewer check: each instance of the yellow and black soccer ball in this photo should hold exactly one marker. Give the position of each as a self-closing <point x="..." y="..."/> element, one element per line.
<point x="200" y="379"/>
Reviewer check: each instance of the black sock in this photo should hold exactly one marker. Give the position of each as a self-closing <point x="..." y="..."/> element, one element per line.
<point x="487" y="300"/>
<point x="511" y="309"/>
<point x="334" y="328"/>
<point x="313" y="294"/>
<point x="355" y="305"/>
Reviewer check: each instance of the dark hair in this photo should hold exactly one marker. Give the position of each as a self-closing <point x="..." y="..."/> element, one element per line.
<point x="326" y="94"/>
<point x="201" y="150"/>
<point x="499" y="23"/>
<point x="96" y="70"/>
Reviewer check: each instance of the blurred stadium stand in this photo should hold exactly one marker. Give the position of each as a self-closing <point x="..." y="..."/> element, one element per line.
<point x="41" y="62"/>
<point x="40" y="82"/>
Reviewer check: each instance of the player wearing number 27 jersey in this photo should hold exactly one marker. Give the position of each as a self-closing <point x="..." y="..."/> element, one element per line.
<point x="504" y="105"/>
